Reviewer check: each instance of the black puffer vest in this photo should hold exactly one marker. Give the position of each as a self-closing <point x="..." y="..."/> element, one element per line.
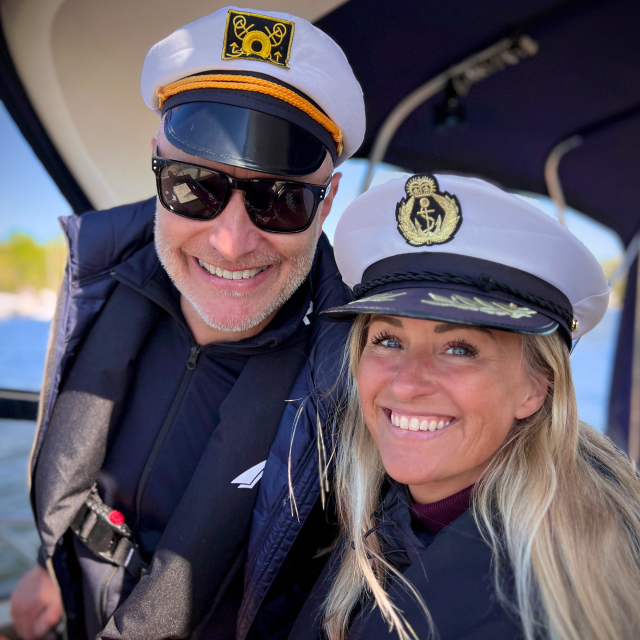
<point x="451" y="570"/>
<point x="99" y="243"/>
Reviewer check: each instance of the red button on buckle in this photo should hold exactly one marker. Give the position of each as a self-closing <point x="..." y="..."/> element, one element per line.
<point x="116" y="517"/>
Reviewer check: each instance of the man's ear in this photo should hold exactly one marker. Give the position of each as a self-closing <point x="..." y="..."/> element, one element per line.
<point x="327" y="203"/>
<point x="153" y="144"/>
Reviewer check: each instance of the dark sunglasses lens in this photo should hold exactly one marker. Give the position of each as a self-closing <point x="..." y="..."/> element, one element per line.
<point x="193" y="192"/>
<point x="278" y="207"/>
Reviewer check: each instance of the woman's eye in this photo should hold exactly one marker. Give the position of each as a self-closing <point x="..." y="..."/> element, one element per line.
<point x="386" y="340"/>
<point x="461" y="348"/>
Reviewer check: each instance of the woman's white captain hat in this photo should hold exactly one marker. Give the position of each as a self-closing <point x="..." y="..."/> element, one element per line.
<point x="277" y="82"/>
<point x="459" y="249"/>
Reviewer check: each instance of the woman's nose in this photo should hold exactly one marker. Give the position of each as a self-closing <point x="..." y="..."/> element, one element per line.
<point x="415" y="376"/>
<point x="233" y="233"/>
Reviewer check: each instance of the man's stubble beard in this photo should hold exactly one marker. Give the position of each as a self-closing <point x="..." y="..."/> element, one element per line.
<point x="174" y="265"/>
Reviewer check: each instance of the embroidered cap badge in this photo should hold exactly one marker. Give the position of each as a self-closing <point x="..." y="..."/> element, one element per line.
<point x="427" y="216"/>
<point x="254" y="37"/>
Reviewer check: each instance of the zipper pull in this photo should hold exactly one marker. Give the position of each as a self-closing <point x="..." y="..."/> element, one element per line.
<point x="193" y="358"/>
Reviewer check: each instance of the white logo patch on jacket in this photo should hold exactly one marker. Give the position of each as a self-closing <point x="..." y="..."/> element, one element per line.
<point x="249" y="478"/>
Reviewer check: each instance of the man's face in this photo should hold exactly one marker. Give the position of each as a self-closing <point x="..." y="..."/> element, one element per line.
<point x="260" y="270"/>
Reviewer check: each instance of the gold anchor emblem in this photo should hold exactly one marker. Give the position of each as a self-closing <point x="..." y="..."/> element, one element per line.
<point x="255" y="37"/>
<point x="424" y="212"/>
<point x="427" y="226"/>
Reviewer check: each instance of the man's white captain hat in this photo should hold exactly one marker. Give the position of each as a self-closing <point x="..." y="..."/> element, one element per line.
<point x="266" y="91"/>
<point x="459" y="249"/>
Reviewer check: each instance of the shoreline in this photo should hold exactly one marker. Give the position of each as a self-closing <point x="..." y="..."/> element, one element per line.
<point x="34" y="304"/>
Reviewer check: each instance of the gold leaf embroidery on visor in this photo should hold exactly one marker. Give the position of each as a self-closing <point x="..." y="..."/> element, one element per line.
<point x="379" y="297"/>
<point x="483" y="306"/>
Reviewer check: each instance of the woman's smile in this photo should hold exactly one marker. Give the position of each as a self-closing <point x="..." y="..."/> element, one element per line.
<point x="409" y="424"/>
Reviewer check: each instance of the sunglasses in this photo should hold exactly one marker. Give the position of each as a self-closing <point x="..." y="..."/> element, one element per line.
<point x="199" y="193"/>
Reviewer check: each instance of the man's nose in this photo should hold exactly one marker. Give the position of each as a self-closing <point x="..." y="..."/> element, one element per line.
<point x="233" y="234"/>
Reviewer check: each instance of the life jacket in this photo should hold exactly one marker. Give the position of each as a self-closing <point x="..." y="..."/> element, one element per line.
<point x="98" y="243"/>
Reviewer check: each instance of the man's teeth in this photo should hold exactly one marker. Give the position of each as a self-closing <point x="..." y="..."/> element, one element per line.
<point x="230" y="275"/>
<point x="418" y="424"/>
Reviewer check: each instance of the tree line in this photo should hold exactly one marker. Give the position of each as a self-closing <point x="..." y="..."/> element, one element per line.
<point x="25" y="263"/>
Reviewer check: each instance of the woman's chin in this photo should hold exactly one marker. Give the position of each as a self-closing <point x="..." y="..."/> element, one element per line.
<point x="408" y="472"/>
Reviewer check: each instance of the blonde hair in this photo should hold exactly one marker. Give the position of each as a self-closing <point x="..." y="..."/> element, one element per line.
<point x="558" y="502"/>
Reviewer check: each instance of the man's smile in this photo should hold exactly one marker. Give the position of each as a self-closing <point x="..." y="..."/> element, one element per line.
<point x="227" y="274"/>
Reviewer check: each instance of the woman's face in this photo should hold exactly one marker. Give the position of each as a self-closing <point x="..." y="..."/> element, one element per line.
<point x="439" y="399"/>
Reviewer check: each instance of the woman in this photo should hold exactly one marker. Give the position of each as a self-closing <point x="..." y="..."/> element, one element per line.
<point x="474" y="504"/>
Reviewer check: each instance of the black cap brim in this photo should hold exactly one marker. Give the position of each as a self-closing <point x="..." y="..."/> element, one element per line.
<point x="451" y="305"/>
<point x="247" y="130"/>
<point x="460" y="289"/>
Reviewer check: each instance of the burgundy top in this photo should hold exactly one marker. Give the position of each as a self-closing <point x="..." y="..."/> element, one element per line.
<point x="434" y="517"/>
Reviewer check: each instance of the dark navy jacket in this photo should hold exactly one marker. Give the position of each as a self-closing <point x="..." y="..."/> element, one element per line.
<point x="452" y="570"/>
<point x="98" y="243"/>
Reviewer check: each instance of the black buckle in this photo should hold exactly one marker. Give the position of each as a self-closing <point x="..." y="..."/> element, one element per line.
<point x="106" y="536"/>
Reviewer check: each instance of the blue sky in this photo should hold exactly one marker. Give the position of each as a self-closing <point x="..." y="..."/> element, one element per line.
<point x="31" y="202"/>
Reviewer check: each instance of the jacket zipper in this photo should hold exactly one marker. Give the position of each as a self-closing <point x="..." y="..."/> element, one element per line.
<point x="192" y="362"/>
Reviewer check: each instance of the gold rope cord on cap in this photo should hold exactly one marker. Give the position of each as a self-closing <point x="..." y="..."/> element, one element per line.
<point x="249" y="83"/>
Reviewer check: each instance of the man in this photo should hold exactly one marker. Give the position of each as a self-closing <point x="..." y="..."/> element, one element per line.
<point x="177" y="456"/>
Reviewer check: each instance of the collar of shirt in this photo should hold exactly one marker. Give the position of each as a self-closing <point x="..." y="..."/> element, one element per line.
<point x="434" y="517"/>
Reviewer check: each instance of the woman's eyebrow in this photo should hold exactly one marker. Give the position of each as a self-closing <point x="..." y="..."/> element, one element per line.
<point x="452" y="326"/>
<point x="392" y="320"/>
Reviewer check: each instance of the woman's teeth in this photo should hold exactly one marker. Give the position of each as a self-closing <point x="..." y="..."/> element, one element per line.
<point x="230" y="275"/>
<point x="418" y="424"/>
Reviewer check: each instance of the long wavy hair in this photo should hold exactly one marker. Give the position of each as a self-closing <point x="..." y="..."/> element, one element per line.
<point x="558" y="502"/>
